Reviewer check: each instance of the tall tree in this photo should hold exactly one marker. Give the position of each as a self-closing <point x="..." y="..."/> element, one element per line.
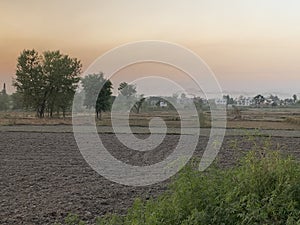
<point x="127" y="90"/>
<point x="61" y="73"/>
<point x="30" y="82"/>
<point x="46" y="81"/>
<point x="98" y="93"/>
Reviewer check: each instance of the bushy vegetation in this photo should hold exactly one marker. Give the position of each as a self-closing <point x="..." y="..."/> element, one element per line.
<point x="46" y="82"/>
<point x="263" y="189"/>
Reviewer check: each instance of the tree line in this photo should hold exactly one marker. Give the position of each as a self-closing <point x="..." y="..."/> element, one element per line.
<point x="47" y="82"/>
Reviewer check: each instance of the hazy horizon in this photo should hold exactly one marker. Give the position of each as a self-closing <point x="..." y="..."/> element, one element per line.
<point x="252" y="46"/>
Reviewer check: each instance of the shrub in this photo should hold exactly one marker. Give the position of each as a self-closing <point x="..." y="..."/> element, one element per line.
<point x="263" y="189"/>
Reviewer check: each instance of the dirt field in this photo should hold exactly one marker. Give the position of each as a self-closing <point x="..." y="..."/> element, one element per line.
<point x="43" y="175"/>
<point x="261" y="118"/>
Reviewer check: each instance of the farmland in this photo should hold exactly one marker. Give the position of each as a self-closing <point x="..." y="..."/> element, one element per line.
<point x="44" y="177"/>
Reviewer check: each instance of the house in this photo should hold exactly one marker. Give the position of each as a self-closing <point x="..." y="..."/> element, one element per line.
<point x="155" y="101"/>
<point x="221" y="101"/>
<point x="244" y="101"/>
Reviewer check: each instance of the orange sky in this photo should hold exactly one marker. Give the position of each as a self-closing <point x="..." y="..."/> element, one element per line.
<point x="250" y="45"/>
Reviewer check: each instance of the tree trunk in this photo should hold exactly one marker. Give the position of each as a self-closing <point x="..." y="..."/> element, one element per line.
<point x="64" y="113"/>
<point x="99" y="115"/>
<point x="41" y="112"/>
<point x="51" y="112"/>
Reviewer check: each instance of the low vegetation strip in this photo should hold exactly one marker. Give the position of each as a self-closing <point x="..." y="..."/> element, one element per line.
<point x="263" y="189"/>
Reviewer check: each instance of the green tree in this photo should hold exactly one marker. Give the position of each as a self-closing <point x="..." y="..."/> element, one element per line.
<point x="259" y="99"/>
<point x="17" y="101"/>
<point x="295" y="98"/>
<point x="30" y="82"/>
<point x="229" y="100"/>
<point x="62" y="74"/>
<point x="138" y="105"/>
<point x="4" y="102"/>
<point x="46" y="81"/>
<point x="98" y="93"/>
<point x="127" y="90"/>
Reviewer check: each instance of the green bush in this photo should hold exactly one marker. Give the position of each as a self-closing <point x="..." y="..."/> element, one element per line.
<point x="263" y="189"/>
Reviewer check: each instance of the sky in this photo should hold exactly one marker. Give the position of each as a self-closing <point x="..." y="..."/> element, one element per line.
<point x="251" y="45"/>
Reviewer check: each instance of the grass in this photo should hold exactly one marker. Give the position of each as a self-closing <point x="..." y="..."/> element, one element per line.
<point x="263" y="188"/>
<point x="29" y="118"/>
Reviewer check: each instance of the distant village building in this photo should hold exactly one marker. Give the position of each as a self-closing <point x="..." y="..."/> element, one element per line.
<point x="163" y="104"/>
<point x="221" y="101"/>
<point x="244" y="101"/>
<point x="155" y="101"/>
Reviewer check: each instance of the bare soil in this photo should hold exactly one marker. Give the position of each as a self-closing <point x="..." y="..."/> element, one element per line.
<point x="43" y="176"/>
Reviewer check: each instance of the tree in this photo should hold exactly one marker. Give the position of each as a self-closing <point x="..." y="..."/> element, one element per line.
<point x="4" y="99"/>
<point x="138" y="105"/>
<point x="259" y="99"/>
<point x="198" y="102"/>
<point x="127" y="90"/>
<point x="4" y="102"/>
<point x="62" y="74"/>
<point x="229" y="100"/>
<point x="98" y="93"/>
<point x="183" y="96"/>
<point x="17" y="101"/>
<point x="295" y="98"/>
<point x="46" y="81"/>
<point x="30" y="82"/>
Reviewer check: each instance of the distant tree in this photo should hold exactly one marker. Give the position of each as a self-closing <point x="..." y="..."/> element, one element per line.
<point x="46" y="81"/>
<point x="259" y="99"/>
<point x="62" y="74"/>
<point x="4" y="101"/>
<point x="198" y="102"/>
<point x="274" y="104"/>
<point x="138" y="105"/>
<point x="183" y="96"/>
<point x="229" y="100"/>
<point x="17" y="101"/>
<point x="295" y="98"/>
<point x="127" y="90"/>
<point x="98" y="93"/>
<point x="30" y="82"/>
